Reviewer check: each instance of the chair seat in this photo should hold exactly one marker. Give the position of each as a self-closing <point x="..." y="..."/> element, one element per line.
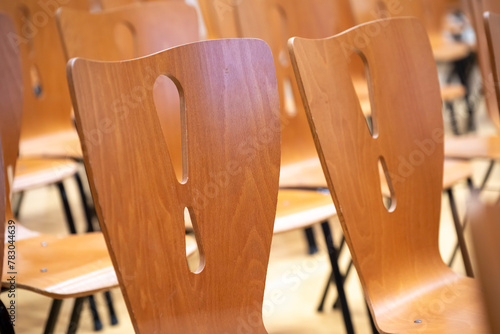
<point x="37" y="172"/>
<point x="448" y="51"/>
<point x="473" y="147"/>
<point x="59" y="145"/>
<point x="453" y="307"/>
<point x="309" y="174"/>
<point x="66" y="267"/>
<point x="452" y="92"/>
<point x="299" y="208"/>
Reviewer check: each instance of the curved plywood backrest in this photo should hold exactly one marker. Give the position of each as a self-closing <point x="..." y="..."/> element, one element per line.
<point x="477" y="8"/>
<point x="492" y="29"/>
<point x="395" y="248"/>
<point x="275" y="21"/>
<point x="485" y="233"/>
<point x="10" y="118"/>
<point x="11" y="104"/>
<point x="220" y="18"/>
<point x="130" y="32"/>
<point x="231" y="155"/>
<point x="46" y="102"/>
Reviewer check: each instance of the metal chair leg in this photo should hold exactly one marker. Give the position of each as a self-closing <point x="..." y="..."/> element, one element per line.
<point x="67" y="209"/>
<point x="333" y="255"/>
<point x="5" y="321"/>
<point x="336" y="304"/>
<point x="85" y="204"/>
<point x="95" y="314"/>
<point x="112" y="314"/>
<point x="19" y="202"/>
<point x="460" y="234"/>
<point x="453" y="118"/>
<point x="311" y="240"/>
<point x="50" y="325"/>
<point x="75" y="315"/>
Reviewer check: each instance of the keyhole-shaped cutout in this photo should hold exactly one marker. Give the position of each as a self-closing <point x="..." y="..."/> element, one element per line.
<point x="196" y="262"/>
<point x="386" y="186"/>
<point x="124" y="34"/>
<point x="169" y="102"/>
<point x="361" y="79"/>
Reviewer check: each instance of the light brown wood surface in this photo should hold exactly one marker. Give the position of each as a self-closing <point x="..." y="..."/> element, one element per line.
<point x="431" y="12"/>
<point x="231" y="134"/>
<point x="48" y="113"/>
<point x="219" y="18"/>
<point x="395" y="250"/>
<point x="491" y="25"/>
<point x="486" y="233"/>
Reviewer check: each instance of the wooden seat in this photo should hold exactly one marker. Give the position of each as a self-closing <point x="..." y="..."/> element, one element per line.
<point x="395" y="248"/>
<point x="57" y="267"/>
<point x="231" y="193"/>
<point x="485" y="233"/>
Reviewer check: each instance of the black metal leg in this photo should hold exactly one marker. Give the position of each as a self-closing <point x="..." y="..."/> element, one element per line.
<point x="50" y="325"/>
<point x="17" y="209"/>
<point x="112" y="314"/>
<point x="75" y="315"/>
<point x="331" y="280"/>
<point x="5" y="323"/>
<point x="67" y="209"/>
<point x="311" y="240"/>
<point x="332" y="253"/>
<point x="460" y="234"/>
<point x="85" y="205"/>
<point x="95" y="314"/>
<point x="336" y="304"/>
<point x="487" y="174"/>
<point x="453" y="118"/>
<point x="325" y="292"/>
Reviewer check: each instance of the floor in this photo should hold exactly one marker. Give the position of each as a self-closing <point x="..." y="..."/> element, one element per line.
<point x="294" y="284"/>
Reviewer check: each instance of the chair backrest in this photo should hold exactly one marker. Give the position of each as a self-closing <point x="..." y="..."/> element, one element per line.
<point x="130" y="32"/>
<point x="220" y="19"/>
<point x="11" y="104"/>
<point x="485" y="233"/>
<point x="431" y="12"/>
<point x="11" y="95"/>
<point x="477" y="8"/>
<point x="46" y="102"/>
<point x="231" y="155"/>
<point x="395" y="249"/>
<point x="492" y="30"/>
<point x="275" y="21"/>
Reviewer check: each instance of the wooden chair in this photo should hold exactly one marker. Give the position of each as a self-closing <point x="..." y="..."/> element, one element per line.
<point x="157" y="26"/>
<point x="224" y="105"/>
<point x="56" y="267"/>
<point x="446" y="50"/>
<point x="485" y="233"/>
<point x="395" y="248"/>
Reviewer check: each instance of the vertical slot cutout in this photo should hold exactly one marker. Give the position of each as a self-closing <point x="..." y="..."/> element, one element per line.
<point x="169" y="102"/>
<point x="196" y="262"/>
<point x="361" y="79"/>
<point x="124" y="35"/>
<point x="386" y="186"/>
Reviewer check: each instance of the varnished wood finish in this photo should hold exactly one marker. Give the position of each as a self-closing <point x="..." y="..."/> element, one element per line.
<point x="395" y="250"/>
<point x="153" y="27"/>
<point x="492" y="32"/>
<point x="220" y="19"/>
<point x="49" y="112"/>
<point x="232" y="133"/>
<point x="486" y="233"/>
<point x="430" y="12"/>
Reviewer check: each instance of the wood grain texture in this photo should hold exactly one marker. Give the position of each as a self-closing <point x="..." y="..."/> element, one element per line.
<point x="76" y="265"/>
<point x="485" y="233"/>
<point x="46" y="100"/>
<point x="232" y="150"/>
<point x="492" y="30"/>
<point x="395" y="251"/>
